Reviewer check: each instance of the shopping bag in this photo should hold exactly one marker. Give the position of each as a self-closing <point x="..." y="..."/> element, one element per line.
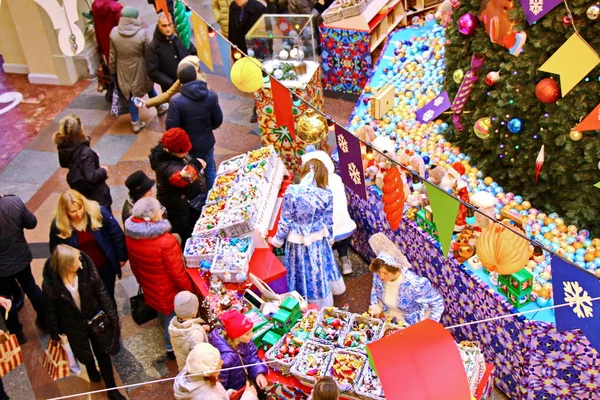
<point x="73" y="364"/>
<point x="140" y="311"/>
<point x="119" y="104"/>
<point x="56" y="361"/>
<point x="11" y="355"/>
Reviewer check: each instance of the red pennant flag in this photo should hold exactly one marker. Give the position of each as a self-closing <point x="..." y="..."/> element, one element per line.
<point x="591" y="122"/>
<point x="282" y="104"/>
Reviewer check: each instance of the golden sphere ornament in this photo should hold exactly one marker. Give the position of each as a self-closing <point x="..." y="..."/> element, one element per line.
<point x="575" y="136"/>
<point x="593" y="12"/>
<point x="311" y="127"/>
<point x="458" y="75"/>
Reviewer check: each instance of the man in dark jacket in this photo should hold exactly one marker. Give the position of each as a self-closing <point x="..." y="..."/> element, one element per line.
<point x="164" y="53"/>
<point x="196" y="110"/>
<point x="15" y="259"/>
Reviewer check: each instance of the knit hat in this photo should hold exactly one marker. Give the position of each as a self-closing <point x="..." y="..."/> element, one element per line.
<point x="176" y="140"/>
<point x="130" y="12"/>
<point x="457" y="170"/>
<point x="186" y="305"/>
<point x="187" y="60"/>
<point x="186" y="73"/>
<point x="204" y="358"/>
<point x="236" y="324"/>
<point x="138" y="184"/>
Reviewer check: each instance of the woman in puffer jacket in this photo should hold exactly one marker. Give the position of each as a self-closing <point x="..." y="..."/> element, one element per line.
<point x="155" y="259"/>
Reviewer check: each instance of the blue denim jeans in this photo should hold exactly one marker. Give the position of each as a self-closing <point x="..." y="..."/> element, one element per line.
<point x="210" y="172"/>
<point x="165" y="320"/>
<point x="133" y="110"/>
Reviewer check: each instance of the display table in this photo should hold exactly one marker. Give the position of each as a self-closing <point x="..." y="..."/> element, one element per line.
<point x="288" y="148"/>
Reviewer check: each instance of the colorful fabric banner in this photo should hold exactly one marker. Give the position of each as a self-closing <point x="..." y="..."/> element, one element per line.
<point x="225" y="50"/>
<point x="282" y="105"/>
<point x="419" y="376"/>
<point x="444" y="209"/>
<point x="591" y="122"/>
<point x="434" y="108"/>
<point x="536" y="9"/>
<point x="202" y="40"/>
<point x="577" y="288"/>
<point x="572" y="62"/>
<point x="351" y="166"/>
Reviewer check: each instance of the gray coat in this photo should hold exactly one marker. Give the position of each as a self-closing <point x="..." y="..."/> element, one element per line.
<point x="14" y="251"/>
<point x="127" y="47"/>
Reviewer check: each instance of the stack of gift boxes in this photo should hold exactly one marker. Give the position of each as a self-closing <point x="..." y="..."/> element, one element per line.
<point x="517" y="287"/>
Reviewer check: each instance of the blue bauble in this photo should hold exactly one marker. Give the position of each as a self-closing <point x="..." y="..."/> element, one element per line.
<point x="426" y="159"/>
<point x="515" y="125"/>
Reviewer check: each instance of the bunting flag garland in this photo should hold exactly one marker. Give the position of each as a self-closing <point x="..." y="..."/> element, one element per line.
<point x="572" y="62"/>
<point x="577" y="288"/>
<point x="282" y="104"/>
<point x="225" y="50"/>
<point x="202" y="41"/>
<point x="535" y="10"/>
<point x="444" y="209"/>
<point x="161" y="6"/>
<point x="351" y="166"/>
<point x="591" y="122"/>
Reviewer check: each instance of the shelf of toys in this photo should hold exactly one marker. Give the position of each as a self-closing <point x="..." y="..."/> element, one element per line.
<point x="525" y="350"/>
<point x="351" y="33"/>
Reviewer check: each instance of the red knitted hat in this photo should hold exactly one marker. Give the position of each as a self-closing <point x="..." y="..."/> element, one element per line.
<point x="236" y="324"/>
<point x="459" y="167"/>
<point x="176" y="140"/>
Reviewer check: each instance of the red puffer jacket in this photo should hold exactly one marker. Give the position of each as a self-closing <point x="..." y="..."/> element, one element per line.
<point x="156" y="262"/>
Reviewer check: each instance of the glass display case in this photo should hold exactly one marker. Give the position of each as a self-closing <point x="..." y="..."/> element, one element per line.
<point x="285" y="44"/>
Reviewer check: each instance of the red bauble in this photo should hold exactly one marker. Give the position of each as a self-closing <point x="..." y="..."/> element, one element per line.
<point x="492" y="78"/>
<point x="547" y="91"/>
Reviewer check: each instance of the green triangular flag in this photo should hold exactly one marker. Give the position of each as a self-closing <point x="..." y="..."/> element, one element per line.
<point x="444" y="209"/>
<point x="597" y="185"/>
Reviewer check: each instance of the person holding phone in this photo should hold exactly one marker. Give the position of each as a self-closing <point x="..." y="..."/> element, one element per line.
<point x="76" y="300"/>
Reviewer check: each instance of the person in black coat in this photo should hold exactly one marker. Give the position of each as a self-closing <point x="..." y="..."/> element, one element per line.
<point x="180" y="186"/>
<point x="85" y="225"/>
<point x="243" y="14"/>
<point x="196" y="110"/>
<point x="86" y="175"/>
<point x="164" y="53"/>
<point x="15" y="262"/>
<point x="74" y="294"/>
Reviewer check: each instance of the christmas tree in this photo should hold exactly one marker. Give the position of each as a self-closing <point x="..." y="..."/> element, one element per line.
<point x="571" y="167"/>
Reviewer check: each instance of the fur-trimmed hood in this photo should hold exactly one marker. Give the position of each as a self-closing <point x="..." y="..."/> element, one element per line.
<point x="138" y="229"/>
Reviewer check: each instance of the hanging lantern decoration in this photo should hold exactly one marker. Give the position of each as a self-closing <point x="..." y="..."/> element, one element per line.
<point x="393" y="197"/>
<point x="501" y="250"/>
<point x="311" y="127"/>
<point x="246" y="74"/>
<point x="547" y="91"/>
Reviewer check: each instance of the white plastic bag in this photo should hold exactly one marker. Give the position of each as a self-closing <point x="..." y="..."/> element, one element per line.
<point x="73" y="363"/>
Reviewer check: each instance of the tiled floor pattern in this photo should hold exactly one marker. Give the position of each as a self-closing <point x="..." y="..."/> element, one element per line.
<point x="29" y="168"/>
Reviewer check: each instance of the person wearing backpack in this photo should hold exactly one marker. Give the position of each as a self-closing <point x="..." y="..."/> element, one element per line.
<point x="86" y="175"/>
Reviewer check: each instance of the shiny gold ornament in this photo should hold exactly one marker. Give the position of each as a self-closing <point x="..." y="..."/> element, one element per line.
<point x="593" y="12"/>
<point x="575" y="136"/>
<point x="458" y="75"/>
<point x="411" y="213"/>
<point x="311" y="127"/>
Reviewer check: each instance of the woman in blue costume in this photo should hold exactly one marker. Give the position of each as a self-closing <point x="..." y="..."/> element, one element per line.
<point x="306" y="228"/>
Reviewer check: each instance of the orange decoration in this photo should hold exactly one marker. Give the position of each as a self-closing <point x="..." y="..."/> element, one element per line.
<point x="393" y="197"/>
<point x="501" y="250"/>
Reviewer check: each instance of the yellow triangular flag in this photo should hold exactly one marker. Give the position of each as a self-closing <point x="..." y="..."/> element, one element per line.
<point x="572" y="61"/>
<point x="202" y="40"/>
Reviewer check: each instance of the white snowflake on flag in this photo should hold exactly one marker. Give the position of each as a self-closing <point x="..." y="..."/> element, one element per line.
<point x="354" y="173"/>
<point x="578" y="299"/>
<point x="342" y="143"/>
<point x="428" y="115"/>
<point x="536" y="6"/>
<point x="438" y="101"/>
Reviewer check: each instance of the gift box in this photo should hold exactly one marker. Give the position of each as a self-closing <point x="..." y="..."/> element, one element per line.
<point x="269" y="339"/>
<point x="290" y="304"/>
<point x="519" y="281"/>
<point x="282" y="321"/>
<point x="259" y="335"/>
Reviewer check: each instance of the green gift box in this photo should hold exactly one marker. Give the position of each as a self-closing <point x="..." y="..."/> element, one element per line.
<point x="282" y="321"/>
<point x="290" y="304"/>
<point x="269" y="340"/>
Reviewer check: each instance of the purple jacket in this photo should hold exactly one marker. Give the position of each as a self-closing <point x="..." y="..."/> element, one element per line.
<point x="246" y="352"/>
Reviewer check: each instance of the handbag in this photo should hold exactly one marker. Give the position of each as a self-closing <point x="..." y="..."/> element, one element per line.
<point x="119" y="105"/>
<point x="197" y="202"/>
<point x="56" y="361"/>
<point x="73" y="364"/>
<point x="140" y="311"/>
<point x="11" y="355"/>
<point x="269" y="294"/>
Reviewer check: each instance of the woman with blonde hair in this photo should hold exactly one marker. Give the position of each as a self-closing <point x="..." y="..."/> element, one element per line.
<point x="86" y="175"/>
<point x="78" y="306"/>
<point x="91" y="228"/>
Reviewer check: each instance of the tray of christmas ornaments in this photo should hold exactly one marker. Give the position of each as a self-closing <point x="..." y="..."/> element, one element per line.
<point x="220" y="299"/>
<point x="199" y="249"/>
<point x="232" y="259"/>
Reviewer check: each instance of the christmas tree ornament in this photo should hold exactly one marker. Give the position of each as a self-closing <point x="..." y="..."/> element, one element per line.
<point x="575" y="136"/>
<point x="547" y="91"/>
<point x="492" y="78"/>
<point x="467" y="24"/>
<point x="593" y="12"/>
<point x="311" y="127"/>
<point x="515" y="125"/>
<point x="482" y="128"/>
<point x="393" y="197"/>
<point x="464" y="91"/>
<point x="539" y="163"/>
<point x="458" y="75"/>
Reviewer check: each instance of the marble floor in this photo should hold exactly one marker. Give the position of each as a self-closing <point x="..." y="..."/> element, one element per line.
<point x="29" y="168"/>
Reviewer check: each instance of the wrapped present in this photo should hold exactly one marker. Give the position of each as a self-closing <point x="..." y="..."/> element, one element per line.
<point x="290" y="304"/>
<point x="11" y="355"/>
<point x="282" y="321"/>
<point x="269" y="340"/>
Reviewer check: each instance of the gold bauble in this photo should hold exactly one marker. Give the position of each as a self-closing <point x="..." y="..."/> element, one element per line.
<point x="311" y="127"/>
<point x="575" y="136"/>
<point x="458" y="75"/>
